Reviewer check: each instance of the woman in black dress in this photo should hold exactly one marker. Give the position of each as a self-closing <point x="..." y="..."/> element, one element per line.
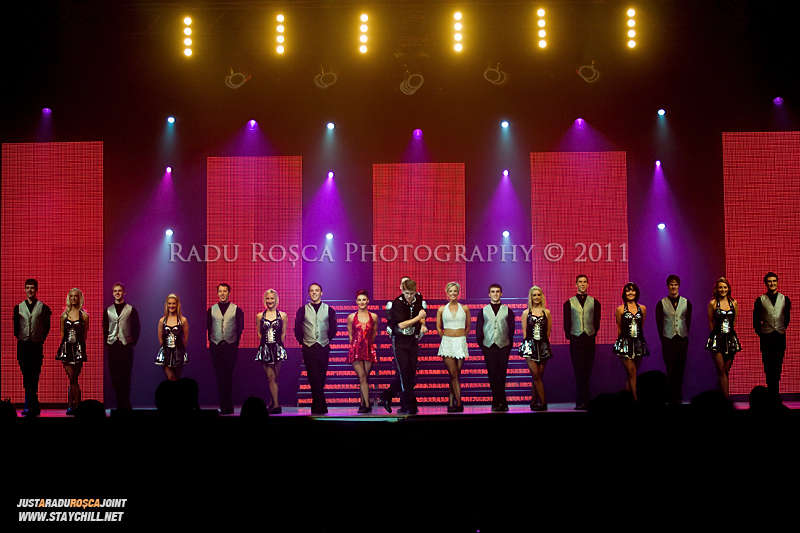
<point x="535" y="348"/>
<point x="723" y="342"/>
<point x="271" y="326"/>
<point x="72" y="351"/>
<point x="173" y="334"/>
<point x="630" y="345"/>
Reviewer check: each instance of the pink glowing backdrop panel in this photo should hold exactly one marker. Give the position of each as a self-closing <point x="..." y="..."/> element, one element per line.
<point x="761" y="173"/>
<point x="52" y="230"/>
<point x="417" y="207"/>
<point x="256" y="203"/>
<point x="579" y="215"/>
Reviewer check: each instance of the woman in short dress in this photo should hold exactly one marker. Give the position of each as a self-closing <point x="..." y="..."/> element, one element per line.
<point x="535" y="348"/>
<point x="630" y="345"/>
<point x="723" y="342"/>
<point x="362" y="326"/>
<point x="72" y="350"/>
<point x="453" y="323"/>
<point x="271" y="326"/>
<point x="173" y="334"/>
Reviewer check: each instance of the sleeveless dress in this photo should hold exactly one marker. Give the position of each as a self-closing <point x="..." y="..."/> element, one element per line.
<point x="536" y="345"/>
<point x="723" y="338"/>
<point x="271" y="350"/>
<point x="172" y="352"/>
<point x="455" y="347"/>
<point x="630" y="343"/>
<point x="73" y="344"/>
<point x="362" y="349"/>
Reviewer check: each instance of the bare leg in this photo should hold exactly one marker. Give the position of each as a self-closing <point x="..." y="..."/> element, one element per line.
<point x="537" y="373"/>
<point x="273" y="371"/>
<point x="631" y="368"/>
<point x="454" y="366"/>
<point x="171" y="373"/>
<point x="363" y="369"/>
<point x="73" y="372"/>
<point x="723" y="369"/>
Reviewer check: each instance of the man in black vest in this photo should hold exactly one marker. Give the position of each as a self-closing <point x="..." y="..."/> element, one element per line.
<point x="770" y="320"/>
<point x="405" y="315"/>
<point x="494" y="332"/>
<point x="121" y="330"/>
<point x="225" y="324"/>
<point x="581" y="324"/>
<point x="673" y="319"/>
<point x="314" y="329"/>
<point x="31" y="327"/>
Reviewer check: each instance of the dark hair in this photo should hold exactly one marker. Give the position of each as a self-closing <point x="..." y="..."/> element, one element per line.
<point x="579" y="276"/>
<point x="770" y="274"/>
<point x="410" y="285"/>
<point x="362" y="292"/>
<point x="675" y="278"/>
<point x="224" y="285"/>
<point x="630" y="285"/>
<point x="312" y="284"/>
<point x="495" y="285"/>
<point x="31" y="281"/>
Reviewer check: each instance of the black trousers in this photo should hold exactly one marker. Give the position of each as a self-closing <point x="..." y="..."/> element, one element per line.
<point x="223" y="357"/>
<point x="674" y="351"/>
<point x="582" y="351"/>
<point x="406" y="353"/>
<point x="316" y="358"/>
<point x="496" y="359"/>
<point x="120" y="368"/>
<point x="773" y="348"/>
<point x="30" y="356"/>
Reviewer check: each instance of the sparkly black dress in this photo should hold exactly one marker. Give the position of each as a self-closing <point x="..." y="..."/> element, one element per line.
<point x="631" y="344"/>
<point x="73" y="344"/>
<point x="723" y="338"/>
<point x="172" y="352"/>
<point x="271" y="350"/>
<point x="536" y="345"/>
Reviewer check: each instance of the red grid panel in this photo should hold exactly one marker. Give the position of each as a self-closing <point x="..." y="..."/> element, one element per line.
<point x="404" y="195"/>
<point x="256" y="203"/>
<point x="761" y="175"/>
<point x="52" y="230"/>
<point x="579" y="214"/>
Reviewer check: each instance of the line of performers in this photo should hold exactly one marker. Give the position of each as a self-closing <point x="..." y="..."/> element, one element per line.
<point x="315" y="326"/>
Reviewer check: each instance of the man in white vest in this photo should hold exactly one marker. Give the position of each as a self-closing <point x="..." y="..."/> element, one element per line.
<point x="494" y="332"/>
<point x="225" y="324"/>
<point x="581" y="324"/>
<point x="674" y="319"/>
<point x="770" y="320"/>
<point x="31" y="327"/>
<point x="121" y="330"/>
<point x="314" y="328"/>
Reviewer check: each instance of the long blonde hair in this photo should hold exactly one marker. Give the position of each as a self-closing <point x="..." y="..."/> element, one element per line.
<point x="177" y="311"/>
<point x="67" y="309"/>
<point x="530" y="298"/>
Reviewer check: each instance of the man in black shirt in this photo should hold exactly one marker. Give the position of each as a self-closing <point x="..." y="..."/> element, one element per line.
<point x="314" y="329"/>
<point x="31" y="327"/>
<point x="770" y="320"/>
<point x="673" y="319"/>
<point x="581" y="324"/>
<point x="494" y="332"/>
<point x="225" y="324"/>
<point x="405" y="315"/>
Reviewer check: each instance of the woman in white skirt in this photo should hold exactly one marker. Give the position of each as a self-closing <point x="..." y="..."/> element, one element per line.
<point x="453" y="323"/>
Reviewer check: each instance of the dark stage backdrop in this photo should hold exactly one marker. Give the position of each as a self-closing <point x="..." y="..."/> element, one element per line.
<point x="255" y="221"/>
<point x="579" y="219"/>
<point x="52" y="230"/>
<point x="761" y="173"/>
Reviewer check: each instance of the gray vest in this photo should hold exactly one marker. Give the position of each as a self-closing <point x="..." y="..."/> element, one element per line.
<point x="223" y="328"/>
<point x="30" y="323"/>
<point x="674" y="321"/>
<point x="582" y="317"/>
<point x="315" y="325"/>
<point x="495" y="327"/>
<point x="772" y="316"/>
<point x="119" y="327"/>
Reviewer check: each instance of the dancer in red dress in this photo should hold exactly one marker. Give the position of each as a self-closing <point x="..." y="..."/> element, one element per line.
<point x="362" y="326"/>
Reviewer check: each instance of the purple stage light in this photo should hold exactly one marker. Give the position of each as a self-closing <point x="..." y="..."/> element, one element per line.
<point x="168" y="233"/>
<point x="169" y="170"/>
<point x="251" y="124"/>
<point x="580" y="123"/>
<point x="777" y="101"/>
<point x="418" y="133"/>
<point x="329" y="236"/>
<point x="658" y="162"/>
<point x="506" y="233"/>
<point x="46" y="111"/>
<point x="662" y="226"/>
<point x="330" y="175"/>
<point x="505" y="173"/>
